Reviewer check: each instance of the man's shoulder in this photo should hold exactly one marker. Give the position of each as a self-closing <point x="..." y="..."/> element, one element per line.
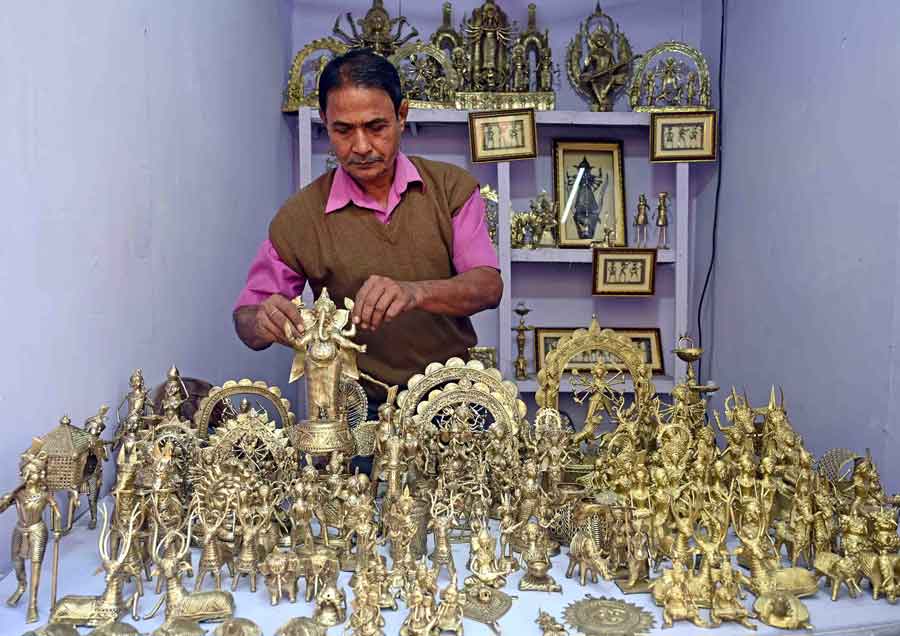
<point x="455" y="182"/>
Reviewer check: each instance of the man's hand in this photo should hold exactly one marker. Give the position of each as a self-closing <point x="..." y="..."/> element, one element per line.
<point x="381" y="299"/>
<point x="258" y="326"/>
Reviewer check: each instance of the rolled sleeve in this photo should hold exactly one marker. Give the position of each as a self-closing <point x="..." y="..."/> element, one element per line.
<point x="472" y="245"/>
<point x="269" y="275"/>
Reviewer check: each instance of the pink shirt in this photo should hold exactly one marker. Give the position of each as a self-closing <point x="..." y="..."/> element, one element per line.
<point x="472" y="245"/>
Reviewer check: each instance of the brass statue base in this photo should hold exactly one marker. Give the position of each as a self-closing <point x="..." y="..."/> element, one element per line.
<point x="641" y="587"/>
<point x="322" y="437"/>
<point x="466" y="100"/>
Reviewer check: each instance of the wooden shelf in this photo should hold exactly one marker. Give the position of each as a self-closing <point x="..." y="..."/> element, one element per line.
<point x="543" y="117"/>
<point x="573" y="255"/>
<point x="663" y="384"/>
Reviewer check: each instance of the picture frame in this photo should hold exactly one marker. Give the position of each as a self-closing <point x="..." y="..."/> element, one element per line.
<point x="648" y="339"/>
<point x="502" y="135"/>
<point x="486" y="355"/>
<point x="624" y="272"/>
<point x="685" y="136"/>
<point x="581" y="217"/>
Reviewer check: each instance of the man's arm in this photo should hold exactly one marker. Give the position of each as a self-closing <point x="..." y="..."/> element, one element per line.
<point x="263" y="306"/>
<point x="381" y="299"/>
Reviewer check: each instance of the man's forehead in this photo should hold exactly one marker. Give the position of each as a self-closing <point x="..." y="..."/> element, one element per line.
<point x="358" y="105"/>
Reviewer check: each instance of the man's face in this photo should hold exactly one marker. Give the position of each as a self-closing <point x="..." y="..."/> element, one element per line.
<point x="364" y="131"/>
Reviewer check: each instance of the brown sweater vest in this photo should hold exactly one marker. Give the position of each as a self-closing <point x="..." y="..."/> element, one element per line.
<point x="341" y="249"/>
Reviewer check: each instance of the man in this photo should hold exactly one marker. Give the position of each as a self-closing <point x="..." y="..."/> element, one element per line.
<point x="404" y="237"/>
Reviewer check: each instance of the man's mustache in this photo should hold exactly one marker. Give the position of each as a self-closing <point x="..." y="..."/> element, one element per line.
<point x="366" y="161"/>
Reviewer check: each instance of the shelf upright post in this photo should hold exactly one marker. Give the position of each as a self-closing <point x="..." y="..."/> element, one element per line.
<point x="304" y="168"/>
<point x="304" y="146"/>
<point x="504" y="253"/>
<point x="682" y="240"/>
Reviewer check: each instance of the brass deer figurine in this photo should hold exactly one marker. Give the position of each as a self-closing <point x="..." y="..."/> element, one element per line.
<point x="197" y="606"/>
<point x="109" y="606"/>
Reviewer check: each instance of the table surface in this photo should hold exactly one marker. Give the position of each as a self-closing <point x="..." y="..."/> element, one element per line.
<point x="79" y="559"/>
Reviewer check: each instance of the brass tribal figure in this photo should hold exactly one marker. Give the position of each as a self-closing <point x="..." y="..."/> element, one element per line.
<point x="29" y="539"/>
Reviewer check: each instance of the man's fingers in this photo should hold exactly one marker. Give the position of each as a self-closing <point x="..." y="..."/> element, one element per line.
<point x="288" y="309"/>
<point x="368" y="305"/>
<point x="388" y="298"/>
<point x="360" y="299"/>
<point x="394" y="309"/>
<point x="268" y="327"/>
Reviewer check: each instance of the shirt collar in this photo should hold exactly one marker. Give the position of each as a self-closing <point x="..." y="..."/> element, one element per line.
<point x="344" y="189"/>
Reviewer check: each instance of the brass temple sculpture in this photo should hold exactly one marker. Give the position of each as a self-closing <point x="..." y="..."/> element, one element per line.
<point x="670" y="77"/>
<point x="484" y="65"/>
<point x="598" y="60"/>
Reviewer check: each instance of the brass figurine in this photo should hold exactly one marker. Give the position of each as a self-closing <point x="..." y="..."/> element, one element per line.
<point x="197" y="606"/>
<point x="521" y="363"/>
<point x="641" y="221"/>
<point x="486" y="605"/>
<point x="331" y="605"/>
<point x="29" y="540"/>
<point x="377" y="30"/>
<point x="549" y="625"/>
<point x="672" y="76"/>
<point x="109" y="606"/>
<point x="301" y="626"/>
<point x="661" y="219"/>
<point x="537" y="561"/>
<point x="598" y="60"/>
<point x="326" y="356"/>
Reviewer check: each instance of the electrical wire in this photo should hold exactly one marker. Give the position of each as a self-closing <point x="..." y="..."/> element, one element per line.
<point x="715" y="228"/>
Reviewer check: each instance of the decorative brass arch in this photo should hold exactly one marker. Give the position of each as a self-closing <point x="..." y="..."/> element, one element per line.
<point x="593" y="339"/>
<point x="437" y="375"/>
<point x="466" y="393"/>
<point x="294" y="95"/>
<point x="241" y="387"/>
<point x="643" y="63"/>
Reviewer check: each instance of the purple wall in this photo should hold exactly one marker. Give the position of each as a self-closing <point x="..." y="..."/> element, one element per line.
<point x="143" y="153"/>
<point x="806" y="289"/>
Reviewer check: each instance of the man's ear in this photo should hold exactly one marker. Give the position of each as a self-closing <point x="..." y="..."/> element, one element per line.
<point x="322" y="118"/>
<point x="402" y="112"/>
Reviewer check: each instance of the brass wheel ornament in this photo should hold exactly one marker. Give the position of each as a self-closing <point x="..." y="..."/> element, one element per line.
<point x="422" y="91"/>
<point x="593" y="339"/>
<point x="603" y="616"/>
<point x="233" y="388"/>
<point x="637" y="96"/>
<point x="439" y="376"/>
<point x="254" y="440"/>
<point x="478" y="409"/>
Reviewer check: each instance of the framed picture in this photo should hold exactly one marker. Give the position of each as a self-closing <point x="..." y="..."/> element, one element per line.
<point x="647" y="339"/>
<point x="626" y="272"/>
<point x="589" y="182"/>
<point x="487" y="356"/>
<point x="688" y="136"/>
<point x="502" y="135"/>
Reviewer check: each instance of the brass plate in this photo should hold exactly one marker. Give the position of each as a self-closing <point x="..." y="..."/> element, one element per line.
<point x="603" y="616"/>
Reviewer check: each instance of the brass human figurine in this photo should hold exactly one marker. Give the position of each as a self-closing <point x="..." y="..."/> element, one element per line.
<point x="138" y="404"/>
<point x="324" y="353"/>
<point x="521" y="363"/>
<point x="641" y="221"/>
<point x="29" y="540"/>
<point x="331" y="605"/>
<point x="449" y="614"/>
<point x="549" y="625"/>
<point x="537" y="561"/>
<point x="99" y="453"/>
<point x="661" y="218"/>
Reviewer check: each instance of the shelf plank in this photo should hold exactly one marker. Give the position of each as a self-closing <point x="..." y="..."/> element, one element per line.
<point x="543" y="117"/>
<point x="663" y="384"/>
<point x="561" y="255"/>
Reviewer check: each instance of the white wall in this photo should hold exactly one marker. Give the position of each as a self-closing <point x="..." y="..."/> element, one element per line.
<point x="142" y="155"/>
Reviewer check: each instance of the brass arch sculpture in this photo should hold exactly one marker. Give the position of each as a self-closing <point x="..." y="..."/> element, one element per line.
<point x="593" y="339"/>
<point x="245" y="386"/>
<point x="455" y="370"/>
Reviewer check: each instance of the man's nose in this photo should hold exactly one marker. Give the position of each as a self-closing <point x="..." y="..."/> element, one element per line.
<point x="361" y="145"/>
